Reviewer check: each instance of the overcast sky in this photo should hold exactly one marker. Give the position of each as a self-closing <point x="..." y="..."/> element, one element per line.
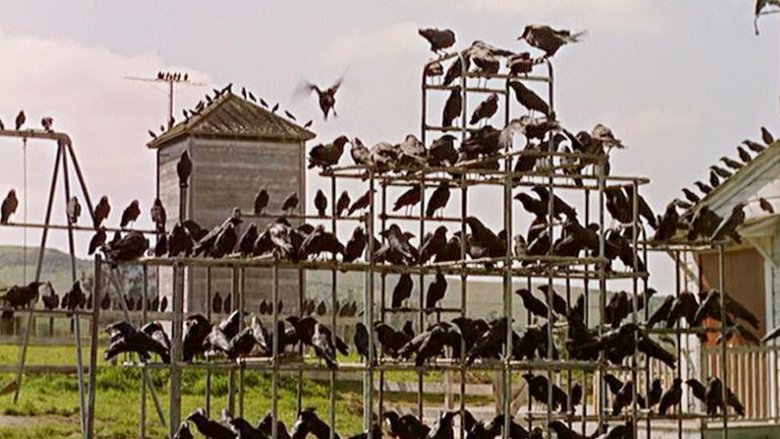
<point x="681" y="82"/>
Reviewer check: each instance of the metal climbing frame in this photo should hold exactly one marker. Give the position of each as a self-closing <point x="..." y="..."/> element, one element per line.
<point x="594" y="272"/>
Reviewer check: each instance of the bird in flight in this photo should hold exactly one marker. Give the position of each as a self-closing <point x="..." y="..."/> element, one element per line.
<point x="327" y="97"/>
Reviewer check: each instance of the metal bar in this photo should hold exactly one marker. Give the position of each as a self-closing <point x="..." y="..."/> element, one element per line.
<point x="368" y="308"/>
<point x="724" y="331"/>
<point x="333" y="305"/>
<point x="93" y="347"/>
<point x="74" y="278"/>
<point x="208" y="317"/>
<point x="41" y="251"/>
<point x="142" y="429"/>
<point x="275" y="357"/>
<point x="176" y="349"/>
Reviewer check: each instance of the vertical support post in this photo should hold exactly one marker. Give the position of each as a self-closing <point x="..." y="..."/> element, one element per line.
<point x="724" y="331"/>
<point x="275" y="343"/>
<point x="333" y="313"/>
<point x="176" y="347"/>
<point x="93" y="346"/>
<point x="142" y="432"/>
<point x="208" y="317"/>
<point x="368" y="316"/>
<point x="41" y="252"/>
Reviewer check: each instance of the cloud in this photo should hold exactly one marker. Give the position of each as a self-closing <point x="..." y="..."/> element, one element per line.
<point x="107" y="116"/>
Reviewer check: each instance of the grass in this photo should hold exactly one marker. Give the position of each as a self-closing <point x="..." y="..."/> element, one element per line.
<point x="52" y="400"/>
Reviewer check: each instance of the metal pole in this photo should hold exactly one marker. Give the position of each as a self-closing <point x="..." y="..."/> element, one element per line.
<point x="41" y="251"/>
<point x="275" y="341"/>
<point x="176" y="348"/>
<point x="368" y="315"/>
<point x="93" y="346"/>
<point x="724" y="330"/>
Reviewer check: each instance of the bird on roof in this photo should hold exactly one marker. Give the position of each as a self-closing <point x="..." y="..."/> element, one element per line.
<point x="290" y="115"/>
<point x="720" y="171"/>
<point x="690" y="195"/>
<point x="705" y="189"/>
<point x="744" y="155"/>
<point x="729" y="225"/>
<point x="765" y="205"/>
<point x="548" y="39"/>
<point x="20" y="118"/>
<point x="326" y="97"/>
<point x="439" y="39"/>
<point x="731" y="163"/>
<point x="754" y="146"/>
<point x="714" y="180"/>
<point x="766" y="136"/>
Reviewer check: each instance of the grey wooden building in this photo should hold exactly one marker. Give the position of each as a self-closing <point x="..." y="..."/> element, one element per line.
<point x="236" y="147"/>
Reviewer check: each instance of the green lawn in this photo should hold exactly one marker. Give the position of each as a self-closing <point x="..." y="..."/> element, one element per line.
<point x="52" y="400"/>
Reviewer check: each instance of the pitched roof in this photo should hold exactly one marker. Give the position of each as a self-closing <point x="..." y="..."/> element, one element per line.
<point x="741" y="177"/>
<point x="230" y="116"/>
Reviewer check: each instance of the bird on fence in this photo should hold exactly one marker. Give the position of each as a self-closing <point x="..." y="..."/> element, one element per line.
<point x="538" y="386"/>
<point x="209" y="428"/>
<point x="442" y="151"/>
<point x="548" y="39"/>
<point x="320" y="338"/>
<point x="216" y="303"/>
<point x="411" y="153"/>
<point x="102" y="210"/>
<point x="196" y="329"/>
<point x="327" y="155"/>
<point x="73" y="210"/>
<point x="483" y="242"/>
<point x="20" y="119"/>
<point x="218" y="339"/>
<point x="246" y="244"/>
<point x="532" y="304"/>
<point x="529" y="99"/>
<point x="179" y="242"/>
<point x="240" y="427"/>
<point x="225" y="242"/>
<point x="261" y="201"/>
<point x="50" y="300"/>
<point x="326" y="97"/>
<point x="130" y="247"/>
<point x="184" y="169"/>
<point x="361" y="203"/>
<point x="432" y="244"/>
<point x="667" y="224"/>
<point x="360" y="153"/>
<point x="643" y="208"/>
<point x="207" y="244"/>
<point x="442" y="428"/>
<point x="485" y="110"/>
<point x="19" y="296"/>
<point x="559" y="305"/>
<point x="355" y="245"/>
<point x="266" y="426"/>
<point x="125" y="338"/>
<point x="9" y="206"/>
<point x="409" y="198"/>
<point x="430" y="343"/>
<point x="391" y="340"/>
<point x="436" y="291"/>
<point x="159" y="216"/>
<point x="404" y="427"/>
<point x="401" y="291"/>
<point x="320" y="241"/>
<point x="183" y="432"/>
<point x="320" y="202"/>
<point x="453" y="107"/>
<point x="714" y="180"/>
<point x="439" y="39"/>
<point x="396" y="249"/>
<point x="130" y="214"/>
<point x="290" y="203"/>
<point x="489" y="343"/>
<point x="438" y="199"/>
<point x="361" y="339"/>
<point x="671" y="397"/>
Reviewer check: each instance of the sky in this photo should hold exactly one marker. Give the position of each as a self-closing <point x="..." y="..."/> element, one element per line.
<point x="680" y="82"/>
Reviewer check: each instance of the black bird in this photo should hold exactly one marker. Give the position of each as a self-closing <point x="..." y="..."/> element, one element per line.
<point x="184" y="168"/>
<point x="361" y="203"/>
<point x="436" y="291"/>
<point x="130" y="214"/>
<point x="697" y="388"/>
<point x="453" y="107"/>
<point x="216" y="303"/>
<point x="538" y="386"/>
<point x="438" y="199"/>
<point x="532" y="304"/>
<point x="442" y="429"/>
<point x="73" y="210"/>
<point x="361" y="339"/>
<point x="558" y="302"/>
<point x="164" y="304"/>
<point x="766" y="136"/>
<point x="290" y="203"/>
<point x="326" y="97"/>
<point x="432" y="244"/>
<point x="729" y="225"/>
<point x="342" y="204"/>
<point x="439" y="39"/>
<point x="731" y="163"/>
<point x="179" y="242"/>
<point x="183" y="432"/>
<point x="562" y="431"/>
<point x="442" y="151"/>
<point x="667" y="224"/>
<point x="23" y="296"/>
<point x="328" y="155"/>
<point x="655" y="393"/>
<point x="548" y="39"/>
<point x="671" y="397"/>
<point x="720" y="171"/>
<point x="97" y="240"/>
<point x="402" y="290"/>
<point x="684" y="306"/>
<point x="209" y="428"/>
<point x="246" y="244"/>
<point x="485" y="110"/>
<point x="714" y="180"/>
<point x="744" y="155"/>
<point x="320" y="241"/>
<point x="644" y="209"/>
<point x="704" y="188"/>
<point x="356" y="245"/>
<point x="703" y="224"/>
<point x="225" y="242"/>
<point x="529" y="99"/>
<point x="321" y="203"/>
<point x="559" y="206"/>
<point x="484" y="243"/>
<point x="101" y="211"/>
<point x="159" y="216"/>
<point x="713" y="397"/>
<point x="690" y="195"/>
<point x="261" y="200"/>
<point x="125" y="338"/>
<point x="360" y="154"/>
<point x="407" y="199"/>
<point x="765" y="205"/>
<point x="130" y="247"/>
<point x="20" y="119"/>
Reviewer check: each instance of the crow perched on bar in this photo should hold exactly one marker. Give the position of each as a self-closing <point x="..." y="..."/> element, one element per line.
<point x="439" y="39"/>
<point x="729" y="225"/>
<point x="442" y="151"/>
<point x="528" y="98"/>
<point x="125" y="338"/>
<point x="671" y="397"/>
<point x="453" y="107"/>
<point x="102" y="209"/>
<point x="209" y="428"/>
<point x="538" y="386"/>
<point x="356" y="245"/>
<point x="432" y="244"/>
<point x="320" y="202"/>
<point x="290" y="203"/>
<point x="402" y="290"/>
<point x="20" y="297"/>
<point x="342" y="204"/>
<point x="485" y="110"/>
<point x="261" y="201"/>
<point x="130" y="214"/>
<point x="327" y="155"/>
<point x="130" y="247"/>
<point x="436" y="291"/>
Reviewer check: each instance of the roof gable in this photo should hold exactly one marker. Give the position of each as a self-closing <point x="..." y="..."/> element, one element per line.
<point x="230" y="116"/>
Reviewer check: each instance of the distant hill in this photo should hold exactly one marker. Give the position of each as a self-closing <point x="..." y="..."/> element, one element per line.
<point x="56" y="266"/>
